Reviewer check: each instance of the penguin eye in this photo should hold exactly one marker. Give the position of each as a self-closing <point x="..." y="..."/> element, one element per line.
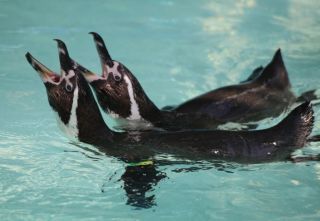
<point x="69" y="87"/>
<point x="117" y="78"/>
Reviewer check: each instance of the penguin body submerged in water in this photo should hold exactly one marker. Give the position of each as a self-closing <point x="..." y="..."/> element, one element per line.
<point x="266" y="93"/>
<point x="69" y="95"/>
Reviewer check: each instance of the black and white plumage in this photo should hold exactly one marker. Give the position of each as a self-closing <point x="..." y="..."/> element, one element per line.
<point x="266" y="93"/>
<point x="78" y="111"/>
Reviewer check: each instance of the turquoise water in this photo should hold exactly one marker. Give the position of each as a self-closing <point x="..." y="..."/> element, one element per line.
<point x="177" y="49"/>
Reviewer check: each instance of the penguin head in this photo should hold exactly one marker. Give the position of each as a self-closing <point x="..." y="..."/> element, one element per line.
<point x="118" y="91"/>
<point x="60" y="88"/>
<point x="69" y="94"/>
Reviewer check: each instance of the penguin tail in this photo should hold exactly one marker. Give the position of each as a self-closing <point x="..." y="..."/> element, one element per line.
<point x="275" y="73"/>
<point x="297" y="126"/>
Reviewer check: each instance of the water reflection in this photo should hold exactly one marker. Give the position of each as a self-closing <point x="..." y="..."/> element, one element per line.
<point x="140" y="178"/>
<point x="138" y="181"/>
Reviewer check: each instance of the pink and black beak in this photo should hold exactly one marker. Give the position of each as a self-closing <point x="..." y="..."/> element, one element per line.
<point x="65" y="61"/>
<point x="104" y="55"/>
<point x="105" y="60"/>
<point x="46" y="75"/>
<point x="87" y="74"/>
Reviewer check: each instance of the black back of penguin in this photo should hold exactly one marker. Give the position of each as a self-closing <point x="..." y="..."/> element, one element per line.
<point x="265" y="94"/>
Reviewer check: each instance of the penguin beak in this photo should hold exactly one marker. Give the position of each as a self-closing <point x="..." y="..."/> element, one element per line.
<point x="105" y="58"/>
<point x="45" y="73"/>
<point x="88" y="75"/>
<point x="65" y="60"/>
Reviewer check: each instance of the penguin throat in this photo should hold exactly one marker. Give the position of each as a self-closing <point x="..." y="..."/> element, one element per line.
<point x="134" y="107"/>
<point x="71" y="128"/>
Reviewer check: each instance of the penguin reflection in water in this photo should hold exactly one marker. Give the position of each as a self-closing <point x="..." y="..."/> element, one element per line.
<point x="266" y="93"/>
<point x="70" y="97"/>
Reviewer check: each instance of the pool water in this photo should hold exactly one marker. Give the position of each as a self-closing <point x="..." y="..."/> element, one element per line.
<point x="177" y="49"/>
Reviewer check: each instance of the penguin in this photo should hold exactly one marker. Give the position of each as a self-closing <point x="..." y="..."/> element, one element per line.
<point x="70" y="97"/>
<point x="266" y="93"/>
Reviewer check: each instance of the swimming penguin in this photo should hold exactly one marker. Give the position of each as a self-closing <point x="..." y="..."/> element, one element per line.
<point x="266" y="93"/>
<point x="69" y="96"/>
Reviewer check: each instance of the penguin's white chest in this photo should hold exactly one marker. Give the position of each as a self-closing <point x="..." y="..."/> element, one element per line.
<point x="71" y="128"/>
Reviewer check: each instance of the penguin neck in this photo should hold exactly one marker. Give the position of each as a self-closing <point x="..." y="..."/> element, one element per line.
<point x="141" y="107"/>
<point x="91" y="126"/>
<point x="149" y="111"/>
<point x="83" y="120"/>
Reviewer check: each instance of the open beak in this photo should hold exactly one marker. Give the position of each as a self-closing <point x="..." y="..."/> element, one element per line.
<point x="65" y="60"/>
<point x="45" y="73"/>
<point x="104" y="55"/>
<point x="88" y="75"/>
